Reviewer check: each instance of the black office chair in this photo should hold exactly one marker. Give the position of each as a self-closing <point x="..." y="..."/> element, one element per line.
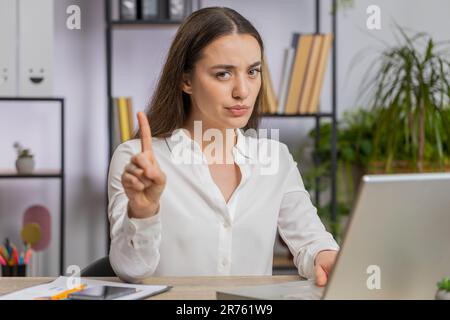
<point x="100" y="268"/>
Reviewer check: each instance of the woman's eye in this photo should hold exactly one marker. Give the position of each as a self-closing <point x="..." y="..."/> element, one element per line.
<point x="256" y="71"/>
<point x="222" y="74"/>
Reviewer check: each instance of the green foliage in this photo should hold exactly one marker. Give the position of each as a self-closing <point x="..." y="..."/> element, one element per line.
<point x="411" y="92"/>
<point x="408" y="121"/>
<point x="355" y="152"/>
<point x="21" y="152"/>
<point x="342" y="4"/>
<point x="444" y="284"/>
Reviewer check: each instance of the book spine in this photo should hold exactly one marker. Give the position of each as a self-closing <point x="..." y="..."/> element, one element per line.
<point x="271" y="100"/>
<point x="130" y="116"/>
<point x="305" y="96"/>
<point x="116" y="137"/>
<point x="123" y="119"/>
<point x="287" y="73"/>
<point x="298" y="73"/>
<point x="320" y="73"/>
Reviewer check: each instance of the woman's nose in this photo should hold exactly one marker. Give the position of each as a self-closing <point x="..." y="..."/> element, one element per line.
<point x="241" y="88"/>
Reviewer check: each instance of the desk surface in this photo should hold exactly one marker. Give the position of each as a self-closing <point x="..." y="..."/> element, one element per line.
<point x="196" y="288"/>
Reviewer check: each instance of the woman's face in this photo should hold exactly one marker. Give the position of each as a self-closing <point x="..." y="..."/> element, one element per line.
<point x="228" y="75"/>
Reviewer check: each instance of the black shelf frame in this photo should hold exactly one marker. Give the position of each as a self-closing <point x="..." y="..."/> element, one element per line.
<point x="48" y="175"/>
<point x="110" y="24"/>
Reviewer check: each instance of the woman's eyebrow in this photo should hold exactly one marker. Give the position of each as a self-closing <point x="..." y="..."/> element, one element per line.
<point x="229" y="66"/>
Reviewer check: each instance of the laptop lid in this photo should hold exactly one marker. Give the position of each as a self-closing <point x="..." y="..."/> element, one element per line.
<point x="397" y="243"/>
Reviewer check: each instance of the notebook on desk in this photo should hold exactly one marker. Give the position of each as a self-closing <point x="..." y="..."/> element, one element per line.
<point x="60" y="285"/>
<point x="396" y="245"/>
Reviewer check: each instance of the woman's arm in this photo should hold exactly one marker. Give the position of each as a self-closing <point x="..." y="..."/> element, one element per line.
<point x="299" y="225"/>
<point x="134" y="251"/>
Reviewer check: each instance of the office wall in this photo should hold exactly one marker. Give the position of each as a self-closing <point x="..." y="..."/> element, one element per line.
<point x="80" y="77"/>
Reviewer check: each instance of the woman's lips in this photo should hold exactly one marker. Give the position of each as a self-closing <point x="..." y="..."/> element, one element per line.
<point x="237" y="112"/>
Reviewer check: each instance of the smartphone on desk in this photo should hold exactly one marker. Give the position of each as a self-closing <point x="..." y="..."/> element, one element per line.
<point x="101" y="293"/>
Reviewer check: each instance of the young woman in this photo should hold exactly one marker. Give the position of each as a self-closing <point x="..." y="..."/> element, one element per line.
<point x="207" y="216"/>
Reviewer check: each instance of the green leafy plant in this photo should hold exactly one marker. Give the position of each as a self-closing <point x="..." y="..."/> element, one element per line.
<point x="355" y="155"/>
<point x="411" y="93"/>
<point x="342" y="4"/>
<point x="354" y="147"/>
<point x="444" y="284"/>
<point x="21" y="152"/>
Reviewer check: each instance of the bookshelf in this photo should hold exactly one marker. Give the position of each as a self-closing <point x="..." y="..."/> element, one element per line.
<point x="317" y="117"/>
<point x="58" y="174"/>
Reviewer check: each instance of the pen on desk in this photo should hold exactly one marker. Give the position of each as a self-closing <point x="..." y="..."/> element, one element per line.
<point x="65" y="294"/>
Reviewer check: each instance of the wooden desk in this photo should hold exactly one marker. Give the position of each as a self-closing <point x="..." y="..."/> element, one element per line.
<point x="196" y="288"/>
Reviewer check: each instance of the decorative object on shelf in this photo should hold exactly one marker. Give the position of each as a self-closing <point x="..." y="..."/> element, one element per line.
<point x="443" y="292"/>
<point x="128" y="9"/>
<point x="178" y="9"/>
<point x="25" y="161"/>
<point x="36" y="24"/>
<point x="8" y="39"/>
<point x="37" y="216"/>
<point x="31" y="233"/>
<point x="411" y="93"/>
<point x="152" y="10"/>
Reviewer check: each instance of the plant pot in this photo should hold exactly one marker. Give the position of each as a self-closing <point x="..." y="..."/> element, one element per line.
<point x="442" y="295"/>
<point x="25" y="165"/>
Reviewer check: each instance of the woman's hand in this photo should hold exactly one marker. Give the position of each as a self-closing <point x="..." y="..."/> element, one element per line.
<point x="323" y="264"/>
<point x="143" y="179"/>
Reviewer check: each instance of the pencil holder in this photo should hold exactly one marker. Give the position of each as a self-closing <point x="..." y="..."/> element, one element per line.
<point x="14" y="271"/>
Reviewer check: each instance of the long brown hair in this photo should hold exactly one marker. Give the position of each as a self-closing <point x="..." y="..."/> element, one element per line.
<point x="170" y="106"/>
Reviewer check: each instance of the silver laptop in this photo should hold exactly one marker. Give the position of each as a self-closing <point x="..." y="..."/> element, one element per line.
<point x="396" y="246"/>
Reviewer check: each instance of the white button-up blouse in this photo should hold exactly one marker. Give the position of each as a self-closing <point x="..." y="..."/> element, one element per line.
<point x="196" y="232"/>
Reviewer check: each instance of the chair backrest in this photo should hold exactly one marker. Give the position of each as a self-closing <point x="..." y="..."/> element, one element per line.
<point x="100" y="268"/>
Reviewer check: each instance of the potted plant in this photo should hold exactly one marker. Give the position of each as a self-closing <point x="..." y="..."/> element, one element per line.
<point x="355" y="157"/>
<point x="354" y="149"/>
<point x="411" y="92"/>
<point x="25" y="161"/>
<point x="443" y="292"/>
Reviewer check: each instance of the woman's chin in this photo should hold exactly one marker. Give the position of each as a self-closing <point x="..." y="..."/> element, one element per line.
<point x="237" y="123"/>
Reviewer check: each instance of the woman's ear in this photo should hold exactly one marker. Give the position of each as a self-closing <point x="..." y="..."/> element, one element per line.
<point x="186" y="85"/>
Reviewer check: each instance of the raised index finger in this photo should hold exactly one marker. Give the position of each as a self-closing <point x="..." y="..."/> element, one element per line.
<point x="146" y="134"/>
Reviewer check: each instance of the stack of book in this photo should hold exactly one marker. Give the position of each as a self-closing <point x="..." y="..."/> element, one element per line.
<point x="303" y="73"/>
<point x="123" y="120"/>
